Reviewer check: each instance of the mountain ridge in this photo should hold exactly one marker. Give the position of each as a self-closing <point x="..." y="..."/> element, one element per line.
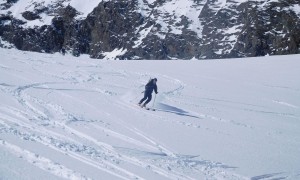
<point x="150" y="29"/>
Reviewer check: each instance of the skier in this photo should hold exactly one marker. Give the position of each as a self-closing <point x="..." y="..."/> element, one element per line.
<point x="150" y="86"/>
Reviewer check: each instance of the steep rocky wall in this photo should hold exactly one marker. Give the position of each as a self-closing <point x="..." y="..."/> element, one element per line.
<point x="235" y="30"/>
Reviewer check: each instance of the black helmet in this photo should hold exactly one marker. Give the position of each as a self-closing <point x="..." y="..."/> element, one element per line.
<point x="155" y="79"/>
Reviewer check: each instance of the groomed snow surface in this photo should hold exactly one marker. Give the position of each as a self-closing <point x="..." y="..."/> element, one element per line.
<point x="77" y="118"/>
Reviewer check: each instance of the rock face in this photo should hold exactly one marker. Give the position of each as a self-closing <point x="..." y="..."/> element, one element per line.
<point x="161" y="29"/>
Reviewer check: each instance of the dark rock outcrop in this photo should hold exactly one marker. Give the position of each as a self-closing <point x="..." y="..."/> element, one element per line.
<point x="235" y="30"/>
<point x="30" y="15"/>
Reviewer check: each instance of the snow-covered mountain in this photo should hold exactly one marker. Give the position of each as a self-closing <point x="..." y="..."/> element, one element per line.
<point x="153" y="29"/>
<point x="63" y="117"/>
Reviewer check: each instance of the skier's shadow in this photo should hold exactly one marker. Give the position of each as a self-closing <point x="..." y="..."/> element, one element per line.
<point x="172" y="109"/>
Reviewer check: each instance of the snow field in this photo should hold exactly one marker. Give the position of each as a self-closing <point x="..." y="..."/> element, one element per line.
<point x="76" y="118"/>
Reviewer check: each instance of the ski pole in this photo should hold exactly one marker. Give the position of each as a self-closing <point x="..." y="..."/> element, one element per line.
<point x="154" y="101"/>
<point x="137" y="96"/>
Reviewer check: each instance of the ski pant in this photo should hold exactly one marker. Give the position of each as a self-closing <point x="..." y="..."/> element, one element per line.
<point x="147" y="96"/>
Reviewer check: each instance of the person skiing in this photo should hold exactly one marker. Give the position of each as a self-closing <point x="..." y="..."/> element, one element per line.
<point x="150" y="86"/>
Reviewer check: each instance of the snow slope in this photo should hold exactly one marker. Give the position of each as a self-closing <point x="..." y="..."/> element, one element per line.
<point x="76" y="118"/>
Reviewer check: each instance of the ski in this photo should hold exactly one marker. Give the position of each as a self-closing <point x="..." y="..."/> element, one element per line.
<point x="149" y="109"/>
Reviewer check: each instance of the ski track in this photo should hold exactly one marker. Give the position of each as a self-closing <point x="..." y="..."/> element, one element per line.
<point x="42" y="118"/>
<point x="32" y="121"/>
<point x="285" y="104"/>
<point x="42" y="162"/>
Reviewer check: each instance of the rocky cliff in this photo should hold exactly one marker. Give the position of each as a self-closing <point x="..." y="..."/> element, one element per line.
<point x="153" y="29"/>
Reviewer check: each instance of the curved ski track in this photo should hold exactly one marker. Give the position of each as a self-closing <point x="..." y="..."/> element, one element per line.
<point x="40" y="115"/>
<point x="47" y="123"/>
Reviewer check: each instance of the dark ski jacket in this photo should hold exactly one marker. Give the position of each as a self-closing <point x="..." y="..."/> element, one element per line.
<point x="150" y="86"/>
